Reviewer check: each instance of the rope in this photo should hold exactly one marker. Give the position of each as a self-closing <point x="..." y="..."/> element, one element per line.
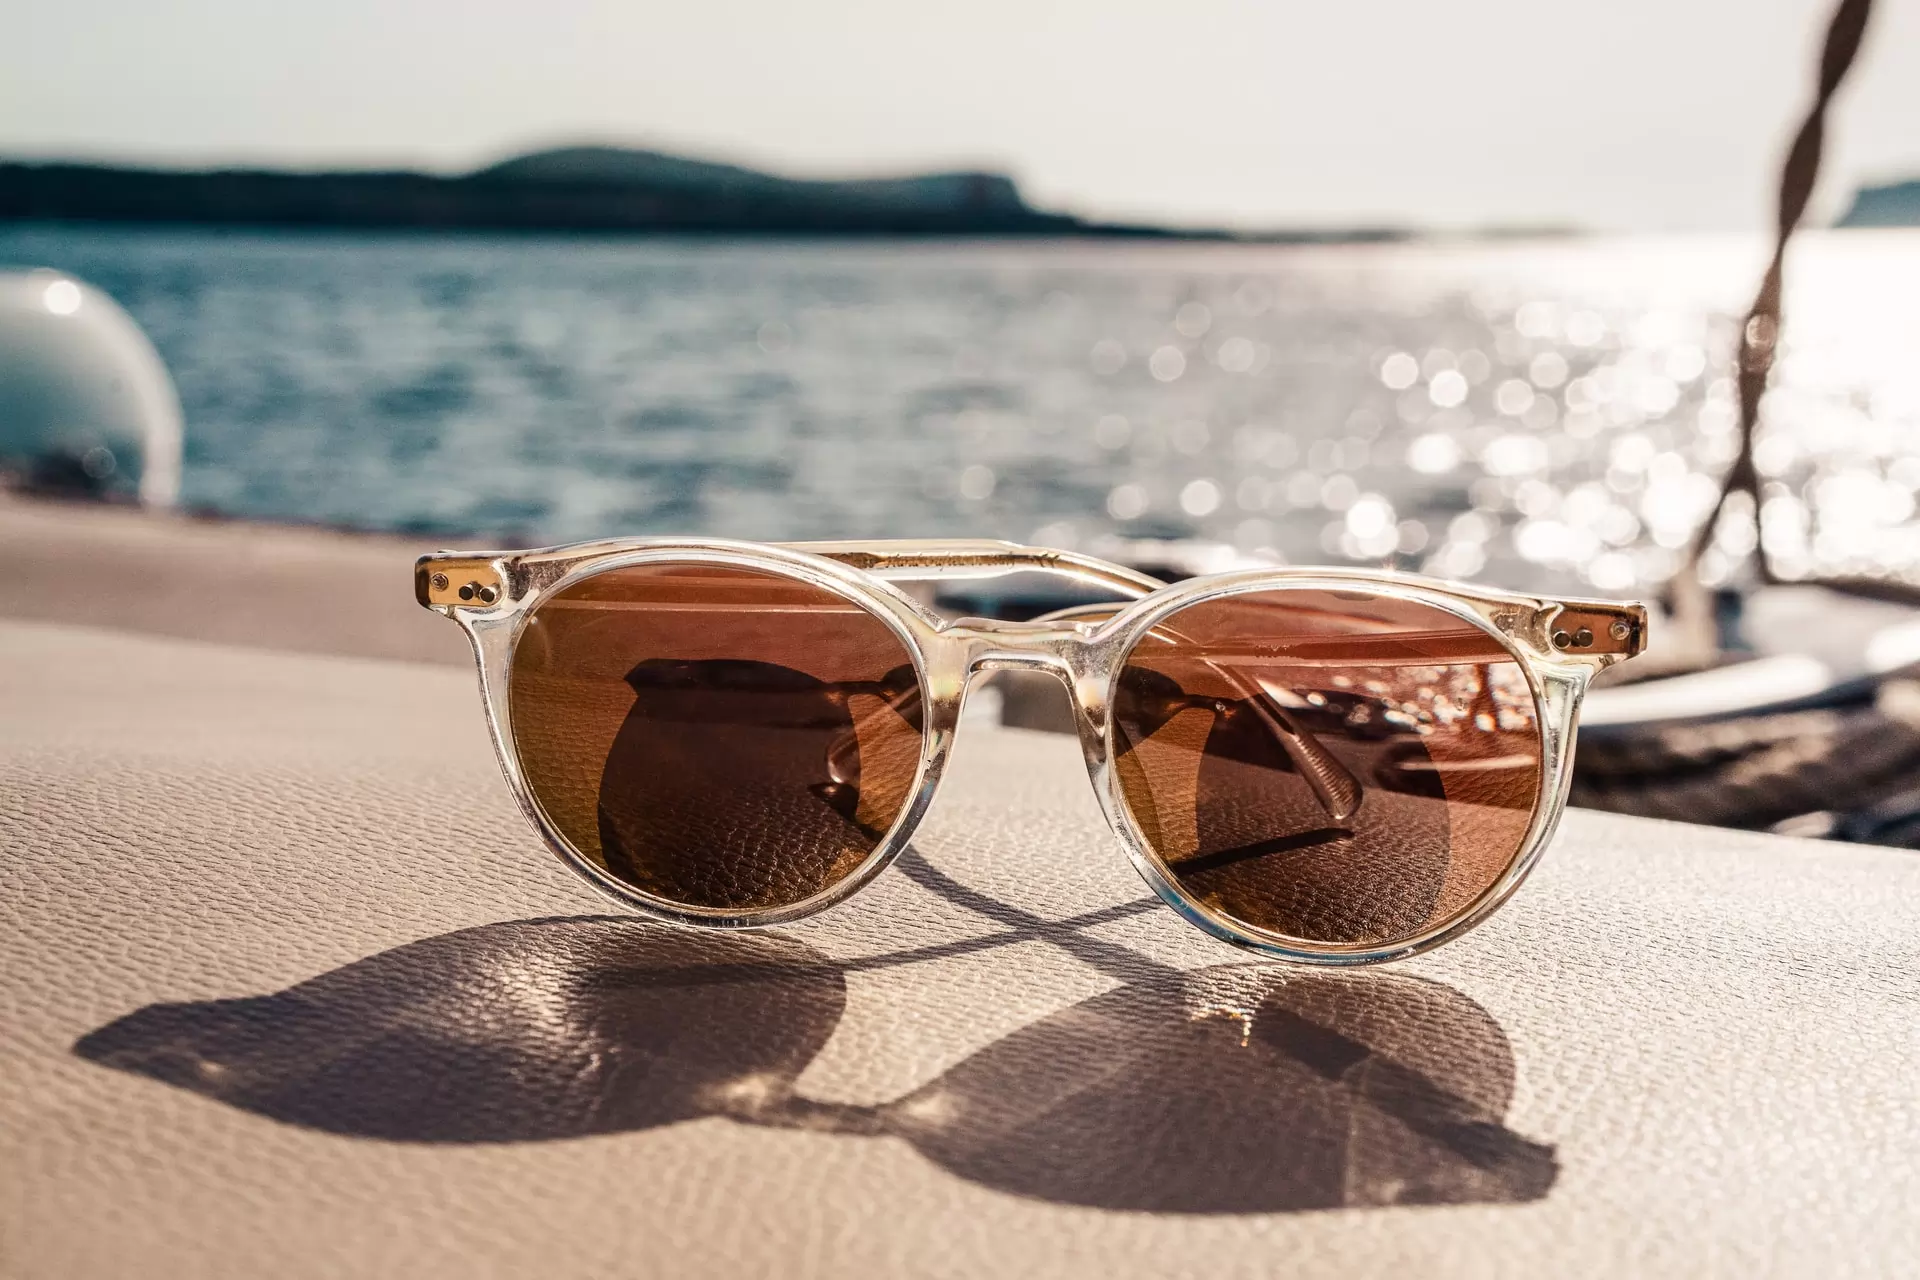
<point x="1760" y="335"/>
<point x="1760" y="770"/>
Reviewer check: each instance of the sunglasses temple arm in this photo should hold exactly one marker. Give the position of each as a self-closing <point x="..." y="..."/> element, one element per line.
<point x="843" y="753"/>
<point x="1331" y="782"/>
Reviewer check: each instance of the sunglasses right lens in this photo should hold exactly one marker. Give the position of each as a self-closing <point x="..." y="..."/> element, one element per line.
<point x="721" y="738"/>
<point x="1331" y="766"/>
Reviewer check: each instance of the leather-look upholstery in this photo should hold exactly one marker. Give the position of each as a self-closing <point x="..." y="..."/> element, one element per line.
<point x="289" y="989"/>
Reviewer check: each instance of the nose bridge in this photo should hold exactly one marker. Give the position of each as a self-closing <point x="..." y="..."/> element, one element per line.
<point x="994" y="644"/>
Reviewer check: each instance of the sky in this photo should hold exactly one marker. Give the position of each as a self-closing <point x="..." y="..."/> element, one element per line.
<point x="1650" y="115"/>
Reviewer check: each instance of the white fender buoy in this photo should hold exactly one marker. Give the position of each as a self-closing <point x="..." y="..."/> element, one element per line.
<point x="83" y="394"/>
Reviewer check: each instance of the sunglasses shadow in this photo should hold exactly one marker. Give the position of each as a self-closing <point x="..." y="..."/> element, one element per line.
<point x="1234" y="1089"/>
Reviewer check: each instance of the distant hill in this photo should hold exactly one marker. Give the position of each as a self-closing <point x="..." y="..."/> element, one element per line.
<point x="1895" y="205"/>
<point x="991" y="193"/>
<point x="590" y="189"/>
<point x="571" y="188"/>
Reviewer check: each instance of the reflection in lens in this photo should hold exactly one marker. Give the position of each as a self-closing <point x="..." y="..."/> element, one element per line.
<point x="721" y="738"/>
<point x="1330" y="766"/>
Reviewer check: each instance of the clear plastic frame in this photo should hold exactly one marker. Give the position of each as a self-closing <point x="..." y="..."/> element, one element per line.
<point x="1558" y="644"/>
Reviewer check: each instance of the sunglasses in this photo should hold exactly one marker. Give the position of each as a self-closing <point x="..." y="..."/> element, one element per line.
<point x="1333" y="766"/>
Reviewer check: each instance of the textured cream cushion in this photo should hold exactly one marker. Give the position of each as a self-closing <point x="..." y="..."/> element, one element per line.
<point x="1678" y="1051"/>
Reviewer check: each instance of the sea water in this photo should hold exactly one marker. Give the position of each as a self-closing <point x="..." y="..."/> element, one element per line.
<point x="1549" y="412"/>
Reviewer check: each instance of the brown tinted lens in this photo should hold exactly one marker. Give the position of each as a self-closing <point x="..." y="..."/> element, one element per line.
<point x="722" y="738"/>
<point x="1326" y="765"/>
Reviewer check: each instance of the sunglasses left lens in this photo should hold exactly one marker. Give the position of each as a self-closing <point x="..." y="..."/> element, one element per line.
<point x="1338" y="768"/>
<point x="723" y="739"/>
